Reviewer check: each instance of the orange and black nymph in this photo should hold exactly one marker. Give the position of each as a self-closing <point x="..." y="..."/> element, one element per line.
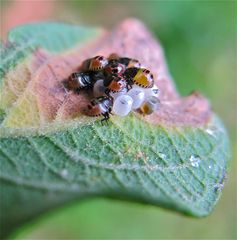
<point x="127" y="62"/>
<point x="96" y="63"/>
<point x="83" y="80"/>
<point x="101" y="106"/>
<point x="114" y="84"/>
<point x="139" y="76"/>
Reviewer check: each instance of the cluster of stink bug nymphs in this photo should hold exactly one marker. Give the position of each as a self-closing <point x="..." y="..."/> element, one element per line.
<point x="119" y="85"/>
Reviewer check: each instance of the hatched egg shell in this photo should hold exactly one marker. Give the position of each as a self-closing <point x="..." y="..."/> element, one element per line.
<point x="122" y="105"/>
<point x="115" y="95"/>
<point x="154" y="102"/>
<point x="99" y="88"/>
<point x="151" y="105"/>
<point x="138" y="96"/>
<point x="154" y="91"/>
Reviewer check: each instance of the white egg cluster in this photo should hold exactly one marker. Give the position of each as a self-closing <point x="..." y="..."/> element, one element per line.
<point x="137" y="98"/>
<point x="119" y="84"/>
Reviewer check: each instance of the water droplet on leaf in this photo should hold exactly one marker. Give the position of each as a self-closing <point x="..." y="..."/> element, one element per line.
<point x="210" y="132"/>
<point x="195" y="160"/>
<point x="64" y="173"/>
<point x="162" y="155"/>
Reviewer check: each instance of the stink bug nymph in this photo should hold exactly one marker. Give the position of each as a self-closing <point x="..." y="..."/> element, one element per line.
<point x="130" y="62"/>
<point x="100" y="106"/>
<point x="114" y="67"/>
<point x="83" y="80"/>
<point x="95" y="64"/>
<point x="78" y="81"/>
<point x="114" y="84"/>
<point x="127" y="62"/>
<point x="139" y="76"/>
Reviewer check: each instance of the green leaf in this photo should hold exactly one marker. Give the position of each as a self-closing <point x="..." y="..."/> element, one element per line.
<point x="25" y="39"/>
<point x="51" y="153"/>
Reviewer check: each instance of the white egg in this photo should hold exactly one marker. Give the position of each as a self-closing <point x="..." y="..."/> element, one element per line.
<point x="117" y="94"/>
<point x="99" y="88"/>
<point x="138" y="96"/>
<point x="122" y="105"/>
<point x="154" y="91"/>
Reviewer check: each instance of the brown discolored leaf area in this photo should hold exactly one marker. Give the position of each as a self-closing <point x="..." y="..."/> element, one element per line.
<point x="131" y="39"/>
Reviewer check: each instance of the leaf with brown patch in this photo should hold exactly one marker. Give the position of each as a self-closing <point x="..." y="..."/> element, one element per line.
<point x="174" y="158"/>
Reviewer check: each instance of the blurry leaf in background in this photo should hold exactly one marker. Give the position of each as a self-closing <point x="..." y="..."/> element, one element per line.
<point x="200" y="42"/>
<point x="14" y="13"/>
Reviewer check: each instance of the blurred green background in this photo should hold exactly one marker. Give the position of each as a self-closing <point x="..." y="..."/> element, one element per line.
<point x="200" y="42"/>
